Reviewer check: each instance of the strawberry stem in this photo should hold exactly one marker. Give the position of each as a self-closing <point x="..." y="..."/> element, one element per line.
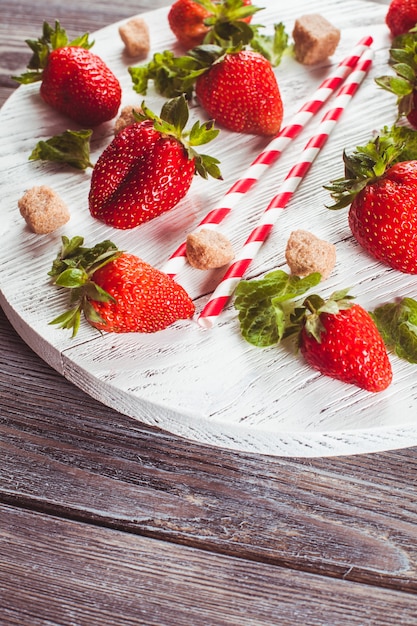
<point x="72" y="269"/>
<point x="173" y="121"/>
<point x="369" y="162"/>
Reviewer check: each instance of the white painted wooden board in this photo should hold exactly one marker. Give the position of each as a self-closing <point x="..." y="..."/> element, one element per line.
<point x="210" y="385"/>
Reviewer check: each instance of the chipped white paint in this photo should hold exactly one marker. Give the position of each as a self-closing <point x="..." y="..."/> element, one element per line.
<point x="209" y="385"/>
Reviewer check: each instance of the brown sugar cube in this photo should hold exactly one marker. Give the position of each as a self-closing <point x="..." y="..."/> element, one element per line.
<point x="43" y="210"/>
<point x="315" y="39"/>
<point x="305" y="253"/>
<point x="208" y="249"/>
<point x="135" y="36"/>
<point x="126" y="118"/>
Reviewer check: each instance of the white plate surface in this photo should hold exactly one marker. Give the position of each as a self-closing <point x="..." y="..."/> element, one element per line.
<point x="210" y="385"/>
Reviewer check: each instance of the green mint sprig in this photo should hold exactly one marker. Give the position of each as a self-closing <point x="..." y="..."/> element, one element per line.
<point x="266" y="307"/>
<point x="71" y="147"/>
<point x="397" y="323"/>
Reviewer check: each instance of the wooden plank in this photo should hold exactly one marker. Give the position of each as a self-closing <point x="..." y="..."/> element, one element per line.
<point x="63" y="452"/>
<point x="144" y="375"/>
<point x="61" y="572"/>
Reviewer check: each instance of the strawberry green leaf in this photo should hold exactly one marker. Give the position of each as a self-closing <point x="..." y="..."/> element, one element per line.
<point x="73" y="255"/>
<point x="70" y="147"/>
<point x="172" y="121"/>
<point x="72" y="278"/>
<point x="396" y="84"/>
<point x="397" y="323"/>
<point x="95" y="292"/>
<point x="72" y="269"/>
<point x="171" y="75"/>
<point x="272" y="47"/>
<point x="405" y="71"/>
<point x="140" y="78"/>
<point x="57" y="36"/>
<point x="202" y="133"/>
<point x="230" y="34"/>
<point x="91" y="314"/>
<point x="206" y="165"/>
<point x="264" y="305"/>
<point x="28" y="78"/>
<point x="225" y="24"/>
<point x="82" y="41"/>
<point x="314" y="306"/>
<point x="403" y="59"/>
<point x="51" y="39"/>
<point x="369" y="162"/>
<point x="176" y="113"/>
<point x="69" y="320"/>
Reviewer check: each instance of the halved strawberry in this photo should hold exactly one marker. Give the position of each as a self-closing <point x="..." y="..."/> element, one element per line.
<point x="74" y="81"/>
<point x="149" y="166"/>
<point x="116" y="291"/>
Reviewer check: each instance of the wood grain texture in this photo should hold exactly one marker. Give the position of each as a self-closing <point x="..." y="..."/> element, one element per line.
<point x="133" y="525"/>
<point x="61" y="572"/>
<point x="176" y="379"/>
<point x="352" y="519"/>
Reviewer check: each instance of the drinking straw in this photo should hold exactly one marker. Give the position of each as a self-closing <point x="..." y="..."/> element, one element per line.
<point x="259" y="234"/>
<point x="272" y="151"/>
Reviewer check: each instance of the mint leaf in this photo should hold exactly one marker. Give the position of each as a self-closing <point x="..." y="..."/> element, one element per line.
<point x="271" y="47"/>
<point x="264" y="307"/>
<point x="397" y="323"/>
<point x="70" y="147"/>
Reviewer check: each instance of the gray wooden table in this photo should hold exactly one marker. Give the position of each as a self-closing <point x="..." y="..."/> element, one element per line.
<point x="104" y="521"/>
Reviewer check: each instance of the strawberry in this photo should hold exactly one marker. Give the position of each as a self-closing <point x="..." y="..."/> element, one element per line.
<point x="74" y="81"/>
<point x="241" y="93"/>
<point x="401" y="16"/>
<point x="403" y="84"/>
<point x="194" y="22"/>
<point x="381" y="187"/>
<point x="341" y="340"/>
<point x="116" y="291"/>
<point x="336" y="337"/>
<point x="149" y="166"/>
<point x="237" y="88"/>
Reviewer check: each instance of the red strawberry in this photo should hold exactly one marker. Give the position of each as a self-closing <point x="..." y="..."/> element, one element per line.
<point x="116" y="291"/>
<point x="341" y="340"/>
<point x="149" y="166"/>
<point x="241" y="93"/>
<point x="382" y="191"/>
<point x="401" y="16"/>
<point x="238" y="88"/>
<point x="75" y="81"/>
<point x="383" y="217"/>
<point x="196" y="21"/>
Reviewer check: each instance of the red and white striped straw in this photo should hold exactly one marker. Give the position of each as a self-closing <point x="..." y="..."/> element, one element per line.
<point x="272" y="152"/>
<point x="259" y="234"/>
